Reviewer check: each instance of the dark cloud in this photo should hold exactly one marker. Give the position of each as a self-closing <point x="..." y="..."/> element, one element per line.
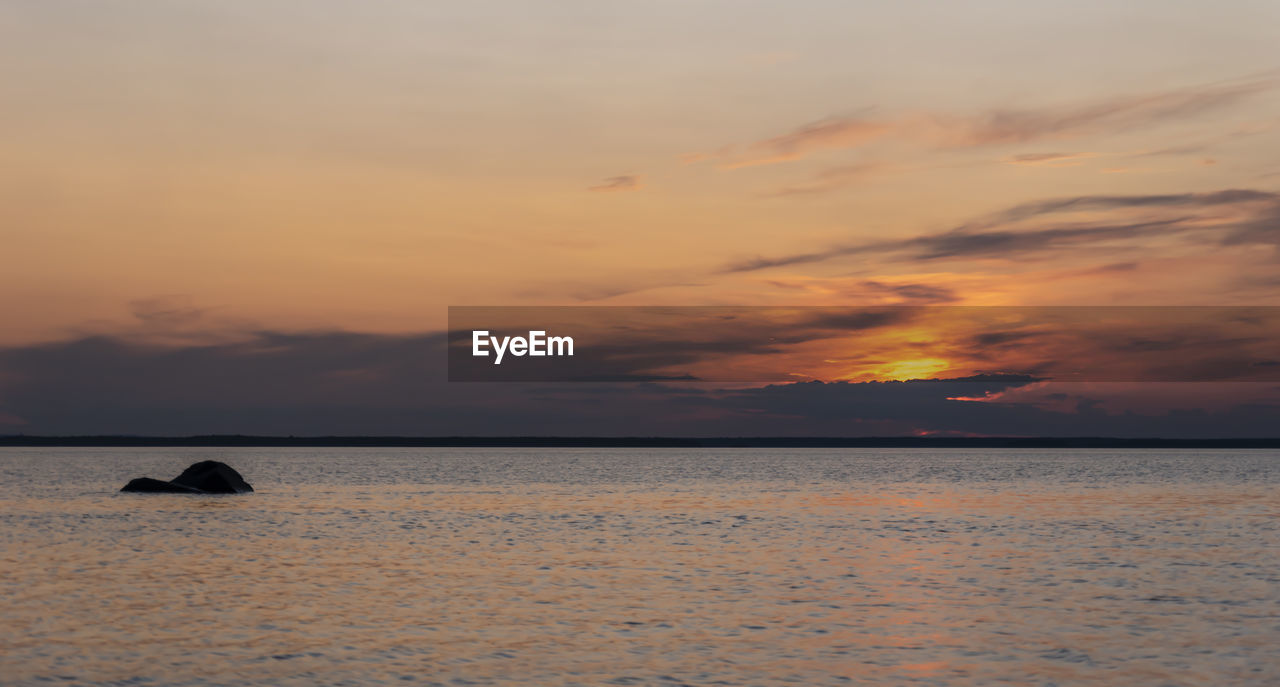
<point x="997" y="235"/>
<point x="934" y="406"/>
<point x="1050" y="206"/>
<point x="108" y="384"/>
<point x="648" y="344"/>
<point x="840" y="320"/>
<point x="1119" y="267"/>
<point x="744" y="344"/>
<point x="961" y="244"/>
<point x="166" y="310"/>
<point x="1263" y="229"/>
<point x="325" y="383"/>
<point x="1001" y="338"/>
<point x="913" y="293"/>
<point x="762" y="263"/>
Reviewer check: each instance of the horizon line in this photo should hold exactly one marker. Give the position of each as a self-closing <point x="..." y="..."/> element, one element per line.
<point x="529" y="441"/>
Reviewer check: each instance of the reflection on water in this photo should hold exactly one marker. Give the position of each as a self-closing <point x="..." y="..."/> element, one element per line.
<point x="591" y="567"/>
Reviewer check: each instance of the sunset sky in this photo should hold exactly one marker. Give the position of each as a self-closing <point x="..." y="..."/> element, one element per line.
<point x="189" y="175"/>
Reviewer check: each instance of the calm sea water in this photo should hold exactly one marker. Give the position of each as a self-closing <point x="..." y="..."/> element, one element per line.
<point x="664" y="567"/>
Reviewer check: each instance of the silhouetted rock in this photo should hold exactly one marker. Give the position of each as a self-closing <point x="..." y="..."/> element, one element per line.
<point x="155" y="486"/>
<point x="213" y="477"/>
<point x="205" y="477"/>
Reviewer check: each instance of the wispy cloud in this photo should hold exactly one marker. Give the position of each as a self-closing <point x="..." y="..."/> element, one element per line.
<point x="839" y="132"/>
<point x="1048" y="159"/>
<point x="873" y="291"/>
<point x="587" y="292"/>
<point x="624" y="182"/>
<point x="1024" y="125"/>
<point x="174" y="310"/>
<point x="1253" y="217"/>
<point x="913" y="292"/>
<point x="831" y="179"/>
<point x="999" y="126"/>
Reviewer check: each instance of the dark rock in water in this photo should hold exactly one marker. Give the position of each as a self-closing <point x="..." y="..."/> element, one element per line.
<point x="205" y="477"/>
<point x="213" y="477"/>
<point x="155" y="486"/>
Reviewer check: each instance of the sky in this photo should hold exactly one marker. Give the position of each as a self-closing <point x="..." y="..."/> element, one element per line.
<point x="216" y="182"/>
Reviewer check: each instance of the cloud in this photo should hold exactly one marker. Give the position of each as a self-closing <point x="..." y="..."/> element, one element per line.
<point x="587" y="294"/>
<point x="1000" y="126"/>
<point x="716" y="343"/>
<point x="1048" y="159"/>
<point x="1116" y="114"/>
<point x="116" y="384"/>
<point x="913" y="338"/>
<point x="922" y="293"/>
<point x="1109" y="268"/>
<point x="944" y="407"/>
<point x="1188" y="149"/>
<point x="1104" y="202"/>
<point x="831" y="179"/>
<point x="837" y="132"/>
<point x="1011" y="243"/>
<point x="166" y="310"/>
<point x="1261" y="229"/>
<point x="873" y="291"/>
<point x="625" y="182"/>
<point x="1197" y="148"/>
<point x="325" y="383"/>
<point x="980" y="244"/>
<point x="1256" y="220"/>
<point x="584" y="292"/>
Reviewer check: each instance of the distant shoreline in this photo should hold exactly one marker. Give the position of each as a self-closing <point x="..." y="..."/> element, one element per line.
<point x="233" y="440"/>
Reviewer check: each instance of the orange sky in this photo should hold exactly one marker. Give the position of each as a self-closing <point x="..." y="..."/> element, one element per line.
<point x="364" y="165"/>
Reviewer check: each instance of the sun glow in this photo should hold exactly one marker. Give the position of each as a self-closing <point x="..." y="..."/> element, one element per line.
<point x="901" y="370"/>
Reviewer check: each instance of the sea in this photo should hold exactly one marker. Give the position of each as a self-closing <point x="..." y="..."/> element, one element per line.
<point x="473" y="566"/>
